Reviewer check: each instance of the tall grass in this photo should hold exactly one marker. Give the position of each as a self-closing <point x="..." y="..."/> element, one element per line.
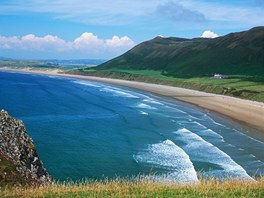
<point x="141" y="188"/>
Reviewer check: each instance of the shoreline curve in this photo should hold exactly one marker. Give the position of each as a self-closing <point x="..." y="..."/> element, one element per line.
<point x="248" y="112"/>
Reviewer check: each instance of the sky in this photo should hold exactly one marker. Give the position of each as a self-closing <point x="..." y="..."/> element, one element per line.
<point x="103" y="29"/>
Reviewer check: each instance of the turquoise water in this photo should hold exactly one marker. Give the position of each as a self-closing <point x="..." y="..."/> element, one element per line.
<point x="87" y="129"/>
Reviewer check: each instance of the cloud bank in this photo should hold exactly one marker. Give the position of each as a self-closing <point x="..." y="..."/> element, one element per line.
<point x="209" y="34"/>
<point x="86" y="44"/>
<point x="177" y="12"/>
<point x="131" y="11"/>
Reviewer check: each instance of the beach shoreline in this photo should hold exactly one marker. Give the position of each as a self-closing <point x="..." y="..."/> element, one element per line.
<point x="249" y="113"/>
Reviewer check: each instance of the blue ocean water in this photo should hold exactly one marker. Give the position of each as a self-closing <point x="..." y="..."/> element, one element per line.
<point x="86" y="129"/>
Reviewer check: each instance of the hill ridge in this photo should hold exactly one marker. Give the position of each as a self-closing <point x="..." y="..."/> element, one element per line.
<point x="240" y="53"/>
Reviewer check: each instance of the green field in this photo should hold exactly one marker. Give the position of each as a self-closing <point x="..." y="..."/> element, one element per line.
<point x="246" y="87"/>
<point x="123" y="188"/>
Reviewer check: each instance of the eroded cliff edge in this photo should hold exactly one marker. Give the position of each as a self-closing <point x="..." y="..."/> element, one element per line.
<point x="19" y="162"/>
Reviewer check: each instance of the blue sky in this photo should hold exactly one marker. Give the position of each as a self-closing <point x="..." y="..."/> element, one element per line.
<point x="41" y="29"/>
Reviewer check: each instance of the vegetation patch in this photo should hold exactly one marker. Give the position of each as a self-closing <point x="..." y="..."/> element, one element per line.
<point x="142" y="188"/>
<point x="9" y="176"/>
<point x="245" y="87"/>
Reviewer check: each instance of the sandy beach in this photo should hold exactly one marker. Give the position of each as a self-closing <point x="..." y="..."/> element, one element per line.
<point x="248" y="112"/>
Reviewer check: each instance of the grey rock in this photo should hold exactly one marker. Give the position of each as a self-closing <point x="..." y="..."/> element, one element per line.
<point x="19" y="148"/>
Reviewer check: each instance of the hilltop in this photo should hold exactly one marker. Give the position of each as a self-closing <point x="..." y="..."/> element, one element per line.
<point x="239" y="53"/>
<point x="192" y="63"/>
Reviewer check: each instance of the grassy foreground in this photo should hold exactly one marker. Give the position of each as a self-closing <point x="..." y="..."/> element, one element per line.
<point x="120" y="188"/>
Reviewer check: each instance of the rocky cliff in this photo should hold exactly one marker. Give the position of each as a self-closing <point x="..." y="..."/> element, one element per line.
<point x="19" y="161"/>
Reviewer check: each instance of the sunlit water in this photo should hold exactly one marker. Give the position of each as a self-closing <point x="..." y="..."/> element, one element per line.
<point x="86" y="129"/>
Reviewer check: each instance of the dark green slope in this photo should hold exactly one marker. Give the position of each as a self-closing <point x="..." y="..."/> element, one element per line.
<point x="236" y="53"/>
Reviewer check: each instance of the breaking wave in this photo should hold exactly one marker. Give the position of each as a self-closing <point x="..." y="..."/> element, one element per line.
<point x="167" y="155"/>
<point x="203" y="151"/>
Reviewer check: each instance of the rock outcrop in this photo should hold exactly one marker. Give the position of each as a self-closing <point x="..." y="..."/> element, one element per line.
<point x="19" y="161"/>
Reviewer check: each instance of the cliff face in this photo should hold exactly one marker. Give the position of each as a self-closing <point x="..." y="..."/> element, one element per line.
<point x="19" y="161"/>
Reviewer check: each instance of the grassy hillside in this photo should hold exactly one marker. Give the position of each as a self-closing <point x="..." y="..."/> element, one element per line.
<point x="119" y="188"/>
<point x="191" y="63"/>
<point x="234" y="54"/>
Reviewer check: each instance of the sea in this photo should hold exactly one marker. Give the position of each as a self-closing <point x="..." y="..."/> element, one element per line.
<point x="90" y="130"/>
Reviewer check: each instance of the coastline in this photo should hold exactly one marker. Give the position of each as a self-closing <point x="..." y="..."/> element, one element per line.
<point x="250" y="113"/>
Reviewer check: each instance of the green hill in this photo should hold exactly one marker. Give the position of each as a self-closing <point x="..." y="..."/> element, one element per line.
<point x="234" y="54"/>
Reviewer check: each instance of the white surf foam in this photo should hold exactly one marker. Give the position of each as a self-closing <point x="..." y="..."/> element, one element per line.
<point x="191" y="123"/>
<point x="200" y="150"/>
<point x="240" y="133"/>
<point x="192" y="117"/>
<point x="199" y="124"/>
<point x="56" y="77"/>
<point x="86" y="83"/>
<point x="143" y="113"/>
<point x="174" y="109"/>
<point x="150" y="100"/>
<point x="118" y="92"/>
<point x="211" y="133"/>
<point x="211" y="119"/>
<point x="247" y="136"/>
<point x="169" y="156"/>
<point x="145" y="106"/>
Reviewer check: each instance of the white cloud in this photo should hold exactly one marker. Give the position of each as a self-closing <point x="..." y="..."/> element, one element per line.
<point x="119" y="42"/>
<point x="209" y="34"/>
<point x="46" y="43"/>
<point x="32" y="42"/>
<point x="87" y="41"/>
<point x="87" y="44"/>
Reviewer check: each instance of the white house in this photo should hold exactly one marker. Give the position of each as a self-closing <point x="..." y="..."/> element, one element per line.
<point x="219" y="76"/>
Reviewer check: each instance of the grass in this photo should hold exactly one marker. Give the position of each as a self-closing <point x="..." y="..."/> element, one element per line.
<point x="8" y="173"/>
<point x="235" y="81"/>
<point x="150" y="73"/>
<point x="246" y="87"/>
<point x="140" y="188"/>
